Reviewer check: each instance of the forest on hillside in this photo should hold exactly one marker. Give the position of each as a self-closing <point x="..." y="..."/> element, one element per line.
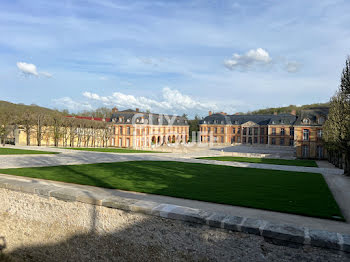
<point x="287" y="109"/>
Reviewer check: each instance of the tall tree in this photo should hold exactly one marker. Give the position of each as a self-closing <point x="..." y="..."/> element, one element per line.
<point x="337" y="126"/>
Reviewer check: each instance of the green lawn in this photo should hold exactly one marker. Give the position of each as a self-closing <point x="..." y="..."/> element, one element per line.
<point x="284" y="191"/>
<point x="298" y="162"/>
<point x="13" y="151"/>
<point x="111" y="150"/>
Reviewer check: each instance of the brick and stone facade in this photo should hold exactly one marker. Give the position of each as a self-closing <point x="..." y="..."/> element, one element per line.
<point x="303" y="131"/>
<point x="132" y="128"/>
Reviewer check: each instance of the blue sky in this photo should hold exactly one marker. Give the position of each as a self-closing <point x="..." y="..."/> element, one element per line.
<point x="172" y="56"/>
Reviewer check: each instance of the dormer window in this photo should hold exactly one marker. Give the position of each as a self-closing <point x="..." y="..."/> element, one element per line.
<point x="320" y="120"/>
<point x="222" y="122"/>
<point x="128" y="120"/>
<point x="306" y="121"/>
<point x="204" y="122"/>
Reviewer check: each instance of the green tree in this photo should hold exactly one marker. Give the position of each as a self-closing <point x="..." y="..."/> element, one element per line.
<point x="337" y="126"/>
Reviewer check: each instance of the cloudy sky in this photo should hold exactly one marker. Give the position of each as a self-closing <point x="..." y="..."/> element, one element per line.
<point x="186" y="56"/>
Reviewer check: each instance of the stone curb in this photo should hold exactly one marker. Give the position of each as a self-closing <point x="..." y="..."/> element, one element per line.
<point x="282" y="234"/>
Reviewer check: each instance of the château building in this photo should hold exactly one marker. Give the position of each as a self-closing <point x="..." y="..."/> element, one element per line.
<point x="132" y="128"/>
<point x="303" y="131"/>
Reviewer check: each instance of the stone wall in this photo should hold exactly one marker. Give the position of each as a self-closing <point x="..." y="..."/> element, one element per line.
<point x="38" y="228"/>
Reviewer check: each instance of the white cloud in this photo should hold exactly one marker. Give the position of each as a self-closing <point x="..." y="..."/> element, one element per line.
<point x="69" y="103"/>
<point x="48" y="75"/>
<point x="248" y="60"/>
<point x="29" y="69"/>
<point x="172" y="101"/>
<point x="292" y="66"/>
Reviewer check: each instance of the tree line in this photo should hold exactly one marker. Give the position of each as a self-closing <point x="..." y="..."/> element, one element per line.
<point x="51" y="125"/>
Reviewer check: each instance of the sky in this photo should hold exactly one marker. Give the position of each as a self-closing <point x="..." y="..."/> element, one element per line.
<point x="174" y="57"/>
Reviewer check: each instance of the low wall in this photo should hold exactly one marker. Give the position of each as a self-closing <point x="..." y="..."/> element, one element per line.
<point x="46" y="223"/>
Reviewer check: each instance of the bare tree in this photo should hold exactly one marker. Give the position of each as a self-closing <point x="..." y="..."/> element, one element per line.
<point x="56" y="126"/>
<point x="5" y="124"/>
<point x="41" y="126"/>
<point x="27" y="121"/>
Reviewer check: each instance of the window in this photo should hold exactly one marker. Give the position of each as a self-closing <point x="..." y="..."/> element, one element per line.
<point x="208" y="129"/>
<point x="319" y="133"/>
<point x="250" y="140"/>
<point x="282" y="141"/>
<point x="128" y="130"/>
<point x="291" y="142"/>
<point x="233" y="130"/>
<point x="306" y="134"/>
<point x="222" y="130"/>
<point x="282" y="131"/>
<point x="273" y="131"/>
<point x="305" y="151"/>
<point x="255" y="140"/>
<point x="216" y="130"/>
<point x="239" y="139"/>
<point x="244" y="131"/>
<point x="273" y="141"/>
<point x="121" y="130"/>
<point x="319" y="152"/>
<point x="232" y="140"/>
<point x="261" y="140"/>
<point x="262" y="131"/>
<point x="291" y="131"/>
<point x="250" y="131"/>
<point x="255" y="131"/>
<point x="244" y="140"/>
<point x="238" y="131"/>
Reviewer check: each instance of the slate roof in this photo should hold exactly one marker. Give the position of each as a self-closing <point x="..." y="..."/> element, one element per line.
<point x="125" y="117"/>
<point x="258" y="119"/>
<point x="313" y="115"/>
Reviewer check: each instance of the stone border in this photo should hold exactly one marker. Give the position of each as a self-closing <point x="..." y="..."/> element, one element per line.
<point x="282" y="234"/>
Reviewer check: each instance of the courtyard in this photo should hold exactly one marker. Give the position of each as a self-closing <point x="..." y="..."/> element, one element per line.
<point x="277" y="189"/>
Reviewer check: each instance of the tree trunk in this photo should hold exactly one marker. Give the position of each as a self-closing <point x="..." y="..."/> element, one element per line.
<point x="28" y="137"/>
<point x="347" y="164"/>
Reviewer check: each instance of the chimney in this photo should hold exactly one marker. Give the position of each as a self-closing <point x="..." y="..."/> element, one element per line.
<point x="114" y="110"/>
<point x="294" y="112"/>
<point x="210" y="113"/>
<point x="137" y="110"/>
<point x="275" y="113"/>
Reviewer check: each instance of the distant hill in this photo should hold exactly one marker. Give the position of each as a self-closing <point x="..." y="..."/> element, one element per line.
<point x="22" y="107"/>
<point x="287" y="109"/>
